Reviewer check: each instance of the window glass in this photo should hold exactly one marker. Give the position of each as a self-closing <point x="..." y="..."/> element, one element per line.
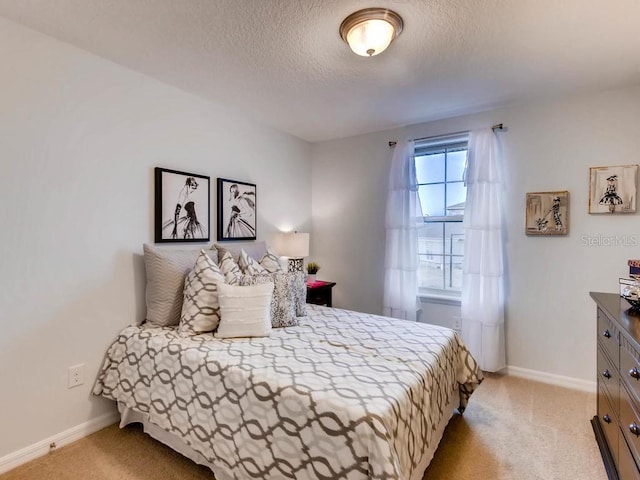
<point x="430" y="168"/>
<point x="456" y="195"/>
<point x="439" y="169"/>
<point x="432" y="199"/>
<point x="455" y="165"/>
<point x="431" y="272"/>
<point x="454" y="238"/>
<point x="430" y="242"/>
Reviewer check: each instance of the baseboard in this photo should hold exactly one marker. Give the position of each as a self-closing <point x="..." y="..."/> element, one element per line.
<point x="552" y="379"/>
<point x="15" y="459"/>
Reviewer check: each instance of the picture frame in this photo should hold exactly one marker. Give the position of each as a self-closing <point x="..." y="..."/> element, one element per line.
<point x="547" y="213"/>
<point x="182" y="206"/>
<point x="613" y="189"/>
<point x="237" y="210"/>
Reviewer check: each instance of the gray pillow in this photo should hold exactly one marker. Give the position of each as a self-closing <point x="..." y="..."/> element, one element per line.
<point x="166" y="271"/>
<point x="255" y="250"/>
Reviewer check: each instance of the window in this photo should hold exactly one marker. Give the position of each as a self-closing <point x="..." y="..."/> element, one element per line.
<point x="440" y="166"/>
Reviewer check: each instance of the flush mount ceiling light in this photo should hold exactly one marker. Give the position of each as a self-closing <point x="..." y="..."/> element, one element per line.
<point x="370" y="31"/>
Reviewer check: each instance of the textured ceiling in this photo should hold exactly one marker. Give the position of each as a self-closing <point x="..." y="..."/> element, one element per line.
<point x="283" y="62"/>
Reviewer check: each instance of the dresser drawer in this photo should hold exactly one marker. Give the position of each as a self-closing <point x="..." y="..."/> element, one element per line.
<point x="608" y="377"/>
<point x="630" y="368"/>
<point x="608" y="337"/>
<point x="627" y="469"/>
<point x="609" y="422"/>
<point x="630" y="423"/>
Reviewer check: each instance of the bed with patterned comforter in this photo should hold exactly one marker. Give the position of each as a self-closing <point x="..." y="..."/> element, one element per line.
<point x="343" y="395"/>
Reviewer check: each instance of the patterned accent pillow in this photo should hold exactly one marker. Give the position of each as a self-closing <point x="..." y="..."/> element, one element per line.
<point x="250" y="266"/>
<point x="283" y="310"/>
<point x="270" y="262"/>
<point x="298" y="285"/>
<point x="244" y="311"/>
<point x="229" y="267"/>
<point x="166" y="270"/>
<point x="200" y="308"/>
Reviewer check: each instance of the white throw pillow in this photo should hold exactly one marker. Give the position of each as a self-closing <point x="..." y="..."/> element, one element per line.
<point x="250" y="266"/>
<point x="244" y="311"/>
<point x="229" y="267"/>
<point x="200" y="308"/>
<point x="271" y="262"/>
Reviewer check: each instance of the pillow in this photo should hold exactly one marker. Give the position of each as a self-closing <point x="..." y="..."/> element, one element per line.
<point x="244" y="310"/>
<point x="270" y="262"/>
<point x="254" y="249"/>
<point x="298" y="286"/>
<point x="229" y="267"/>
<point x="250" y="266"/>
<point x="200" y="308"/>
<point x="166" y="270"/>
<point x="283" y="309"/>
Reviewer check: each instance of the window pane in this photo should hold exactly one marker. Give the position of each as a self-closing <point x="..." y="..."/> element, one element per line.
<point x="455" y="165"/>
<point x="431" y="272"/>
<point x="432" y="199"/>
<point x="453" y="273"/>
<point x="456" y="196"/>
<point x="454" y="238"/>
<point x="430" y="168"/>
<point x="430" y="240"/>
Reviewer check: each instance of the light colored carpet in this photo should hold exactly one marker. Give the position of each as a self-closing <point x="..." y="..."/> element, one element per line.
<point x="513" y="429"/>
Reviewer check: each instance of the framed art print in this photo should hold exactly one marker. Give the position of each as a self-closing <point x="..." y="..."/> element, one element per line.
<point x="547" y="213"/>
<point x="236" y="210"/>
<point x="613" y="189"/>
<point x="182" y="206"/>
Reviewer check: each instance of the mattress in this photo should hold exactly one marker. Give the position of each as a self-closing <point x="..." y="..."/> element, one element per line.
<point x="343" y="395"/>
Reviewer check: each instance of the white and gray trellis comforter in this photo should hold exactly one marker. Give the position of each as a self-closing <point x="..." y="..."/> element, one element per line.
<point x="342" y="395"/>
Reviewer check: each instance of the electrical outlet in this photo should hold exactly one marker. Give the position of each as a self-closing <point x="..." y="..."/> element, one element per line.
<point x="457" y="323"/>
<point x="76" y="375"/>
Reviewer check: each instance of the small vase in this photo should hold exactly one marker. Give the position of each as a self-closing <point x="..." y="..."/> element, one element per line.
<point x="311" y="278"/>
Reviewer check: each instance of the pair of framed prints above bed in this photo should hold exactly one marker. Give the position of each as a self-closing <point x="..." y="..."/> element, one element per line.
<point x="183" y="208"/>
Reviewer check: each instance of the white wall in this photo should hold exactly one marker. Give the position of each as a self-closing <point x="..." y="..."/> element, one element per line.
<point x="548" y="146"/>
<point x="79" y="137"/>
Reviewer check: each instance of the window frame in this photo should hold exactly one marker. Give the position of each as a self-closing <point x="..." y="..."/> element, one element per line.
<point x="446" y="145"/>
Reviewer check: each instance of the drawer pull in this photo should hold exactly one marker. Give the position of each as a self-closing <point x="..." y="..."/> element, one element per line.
<point x="634" y="373"/>
<point x="606" y="374"/>
<point x="606" y="334"/>
<point x="633" y="428"/>
<point x="606" y="418"/>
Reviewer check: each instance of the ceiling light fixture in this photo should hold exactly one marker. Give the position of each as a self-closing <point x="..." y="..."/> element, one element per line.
<point x="370" y="31"/>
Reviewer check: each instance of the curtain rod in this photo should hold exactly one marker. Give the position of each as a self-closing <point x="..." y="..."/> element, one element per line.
<point x="497" y="126"/>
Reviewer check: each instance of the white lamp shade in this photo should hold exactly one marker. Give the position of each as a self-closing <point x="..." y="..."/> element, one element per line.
<point x="370" y="37"/>
<point x="294" y="245"/>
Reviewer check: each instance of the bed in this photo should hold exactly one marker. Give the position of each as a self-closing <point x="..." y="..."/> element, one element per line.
<point x="342" y="395"/>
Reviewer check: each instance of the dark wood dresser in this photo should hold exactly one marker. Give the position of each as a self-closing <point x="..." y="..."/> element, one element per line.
<point x="617" y="425"/>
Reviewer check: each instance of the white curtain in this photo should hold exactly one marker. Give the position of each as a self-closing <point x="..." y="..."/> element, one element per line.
<point x="483" y="276"/>
<point x="402" y="217"/>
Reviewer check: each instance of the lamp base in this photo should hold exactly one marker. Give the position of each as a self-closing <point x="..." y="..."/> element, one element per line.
<point x="296" y="265"/>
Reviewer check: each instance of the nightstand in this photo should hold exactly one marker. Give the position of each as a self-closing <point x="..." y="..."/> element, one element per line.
<point x="319" y="293"/>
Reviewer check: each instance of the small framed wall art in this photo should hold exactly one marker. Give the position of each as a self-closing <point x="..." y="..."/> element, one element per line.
<point x="182" y="206"/>
<point x="547" y="213"/>
<point x="613" y="189"/>
<point x="237" y="209"/>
